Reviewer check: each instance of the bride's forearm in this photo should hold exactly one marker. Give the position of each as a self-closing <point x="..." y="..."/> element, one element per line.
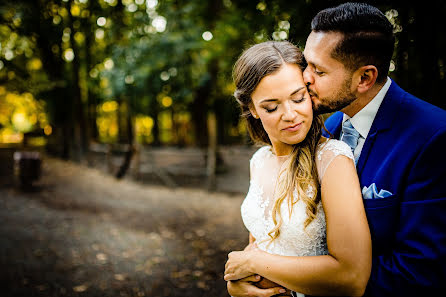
<point x="312" y="275"/>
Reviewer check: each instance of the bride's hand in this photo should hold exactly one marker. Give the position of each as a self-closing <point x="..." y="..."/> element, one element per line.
<point x="251" y="246"/>
<point x="239" y="264"/>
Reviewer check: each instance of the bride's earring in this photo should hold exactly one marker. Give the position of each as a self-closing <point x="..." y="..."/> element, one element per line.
<point x="253" y="112"/>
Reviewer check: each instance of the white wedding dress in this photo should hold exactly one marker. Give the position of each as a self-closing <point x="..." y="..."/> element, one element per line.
<point x="256" y="209"/>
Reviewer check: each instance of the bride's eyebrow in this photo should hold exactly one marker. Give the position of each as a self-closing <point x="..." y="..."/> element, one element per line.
<point x="275" y="99"/>
<point x="296" y="91"/>
<point x="268" y="100"/>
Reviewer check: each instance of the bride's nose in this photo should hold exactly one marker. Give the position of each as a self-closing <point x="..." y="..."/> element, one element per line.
<point x="289" y="114"/>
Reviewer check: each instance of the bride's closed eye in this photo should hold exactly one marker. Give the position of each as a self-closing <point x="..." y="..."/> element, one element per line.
<point x="302" y="99"/>
<point x="270" y="109"/>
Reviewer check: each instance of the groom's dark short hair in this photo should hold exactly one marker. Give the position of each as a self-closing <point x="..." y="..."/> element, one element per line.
<point x="368" y="35"/>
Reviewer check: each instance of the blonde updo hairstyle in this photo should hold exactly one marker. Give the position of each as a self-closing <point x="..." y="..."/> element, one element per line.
<point x="301" y="175"/>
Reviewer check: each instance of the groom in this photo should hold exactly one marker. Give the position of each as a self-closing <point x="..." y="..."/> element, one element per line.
<point x="399" y="144"/>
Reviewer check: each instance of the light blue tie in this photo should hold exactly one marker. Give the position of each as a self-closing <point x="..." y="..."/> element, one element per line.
<point x="350" y="136"/>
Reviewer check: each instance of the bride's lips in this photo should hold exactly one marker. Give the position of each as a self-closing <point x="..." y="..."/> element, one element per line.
<point x="293" y="127"/>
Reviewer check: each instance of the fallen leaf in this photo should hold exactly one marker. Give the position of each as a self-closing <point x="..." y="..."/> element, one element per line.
<point x="80" y="288"/>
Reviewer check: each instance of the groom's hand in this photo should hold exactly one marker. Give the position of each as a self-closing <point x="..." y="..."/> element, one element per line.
<point x="255" y="285"/>
<point x="265" y="283"/>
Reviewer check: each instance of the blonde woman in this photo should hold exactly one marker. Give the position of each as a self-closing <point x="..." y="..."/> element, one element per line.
<point x="308" y="231"/>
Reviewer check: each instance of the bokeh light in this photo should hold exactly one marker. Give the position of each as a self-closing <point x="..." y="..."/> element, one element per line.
<point x="159" y="23"/>
<point x="207" y="35"/>
<point x="68" y="55"/>
<point x="101" y="21"/>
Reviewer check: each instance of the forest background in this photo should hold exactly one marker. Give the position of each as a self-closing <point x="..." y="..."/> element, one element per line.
<point x="74" y="73"/>
<point x="144" y="87"/>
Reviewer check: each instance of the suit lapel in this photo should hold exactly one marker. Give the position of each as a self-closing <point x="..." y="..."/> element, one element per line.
<point x="383" y="121"/>
<point x="338" y="129"/>
<point x="333" y="124"/>
<point x="365" y="152"/>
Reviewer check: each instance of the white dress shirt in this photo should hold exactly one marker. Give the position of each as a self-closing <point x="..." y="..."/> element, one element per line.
<point x="363" y="120"/>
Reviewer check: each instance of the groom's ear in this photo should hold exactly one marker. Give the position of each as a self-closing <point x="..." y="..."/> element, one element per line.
<point x="366" y="77"/>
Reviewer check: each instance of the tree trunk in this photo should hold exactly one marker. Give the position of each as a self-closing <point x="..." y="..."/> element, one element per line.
<point x="154" y="112"/>
<point x="92" y="102"/>
<point x="60" y="111"/>
<point x="199" y="112"/>
<point x="130" y="141"/>
<point x="80" y="134"/>
<point x="212" y="153"/>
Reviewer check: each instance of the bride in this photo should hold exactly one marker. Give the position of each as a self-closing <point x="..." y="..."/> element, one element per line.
<point x="308" y="231"/>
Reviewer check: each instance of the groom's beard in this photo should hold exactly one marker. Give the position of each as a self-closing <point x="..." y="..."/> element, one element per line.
<point x="330" y="105"/>
<point x="342" y="98"/>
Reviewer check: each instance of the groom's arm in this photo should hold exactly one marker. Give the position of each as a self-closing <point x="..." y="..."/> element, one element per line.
<point x="417" y="264"/>
<point x="250" y="286"/>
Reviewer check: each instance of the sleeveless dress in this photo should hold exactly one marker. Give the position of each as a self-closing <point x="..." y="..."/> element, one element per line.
<point x="257" y="207"/>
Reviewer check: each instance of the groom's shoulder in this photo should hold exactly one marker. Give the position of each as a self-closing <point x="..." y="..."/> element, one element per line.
<point x="333" y="120"/>
<point x="422" y="114"/>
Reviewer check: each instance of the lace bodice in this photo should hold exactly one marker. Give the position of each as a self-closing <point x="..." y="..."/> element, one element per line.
<point x="256" y="209"/>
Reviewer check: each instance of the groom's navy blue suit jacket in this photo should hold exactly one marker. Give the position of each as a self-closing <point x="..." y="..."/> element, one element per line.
<point x="405" y="154"/>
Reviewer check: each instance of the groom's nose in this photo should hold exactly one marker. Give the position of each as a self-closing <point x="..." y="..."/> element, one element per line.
<point x="308" y="78"/>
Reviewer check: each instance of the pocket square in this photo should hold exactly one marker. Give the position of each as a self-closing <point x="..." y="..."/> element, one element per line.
<point x="371" y="192"/>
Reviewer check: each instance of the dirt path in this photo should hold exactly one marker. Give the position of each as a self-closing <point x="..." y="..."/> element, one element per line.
<point x="86" y="234"/>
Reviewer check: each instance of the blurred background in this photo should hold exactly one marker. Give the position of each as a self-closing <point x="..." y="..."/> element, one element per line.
<point x="117" y="117"/>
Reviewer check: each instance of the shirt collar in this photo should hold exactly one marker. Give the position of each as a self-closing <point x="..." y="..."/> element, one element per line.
<point x="363" y="120"/>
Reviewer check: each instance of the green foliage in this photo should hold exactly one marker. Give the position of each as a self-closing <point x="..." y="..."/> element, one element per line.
<point x="78" y="54"/>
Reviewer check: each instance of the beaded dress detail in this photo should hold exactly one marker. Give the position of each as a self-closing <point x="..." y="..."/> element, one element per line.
<point x="256" y="209"/>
